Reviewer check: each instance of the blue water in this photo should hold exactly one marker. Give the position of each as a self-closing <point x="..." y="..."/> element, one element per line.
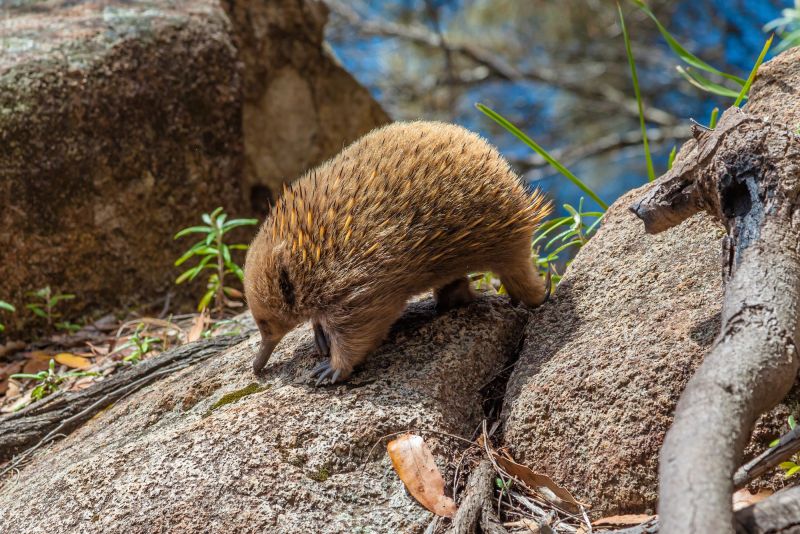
<point x="727" y="30"/>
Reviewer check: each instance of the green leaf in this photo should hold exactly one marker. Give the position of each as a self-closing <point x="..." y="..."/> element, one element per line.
<point x="58" y="298"/>
<point x="234" y="223"/>
<point x="671" y="159"/>
<point x="190" y="274"/>
<point x="567" y="245"/>
<point x="792" y="422"/>
<point x="786" y="465"/>
<point x="792" y="471"/>
<point x="38" y="376"/>
<point x="193" y="230"/>
<point x="239" y="246"/>
<point x="746" y="88"/>
<point x="37" y="310"/>
<point x="6" y="306"/>
<point x="195" y="250"/>
<point x="686" y="56"/>
<point x="226" y="253"/>
<point x="206" y="300"/>
<point x="237" y="271"/>
<point x="651" y="173"/>
<point x="704" y="84"/>
<point x="502" y="121"/>
<point x="39" y="392"/>
<point x="774" y="442"/>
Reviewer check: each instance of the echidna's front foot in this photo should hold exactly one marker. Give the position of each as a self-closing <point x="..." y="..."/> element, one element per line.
<point x="325" y="370"/>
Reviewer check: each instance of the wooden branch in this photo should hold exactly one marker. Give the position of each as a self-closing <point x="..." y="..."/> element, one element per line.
<point x="475" y="513"/>
<point x="496" y="65"/>
<point x="61" y="413"/>
<point x="744" y="173"/>
<point x="787" y="447"/>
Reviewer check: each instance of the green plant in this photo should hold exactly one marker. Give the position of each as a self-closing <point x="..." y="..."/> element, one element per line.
<point x="742" y="86"/>
<point x="787" y="26"/>
<point x="792" y="466"/>
<point x="141" y="343"/>
<point x="746" y="87"/>
<point x="561" y="233"/>
<point x="503" y="486"/>
<point x="571" y="230"/>
<point x="215" y="255"/>
<point x="5" y="306"/>
<point x="48" y="381"/>
<point x="46" y="304"/>
<point x="553" y="162"/>
<point x="651" y="173"/>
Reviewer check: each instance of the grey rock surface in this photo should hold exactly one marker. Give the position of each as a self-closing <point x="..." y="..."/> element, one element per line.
<point x="290" y="458"/>
<point x="604" y="363"/>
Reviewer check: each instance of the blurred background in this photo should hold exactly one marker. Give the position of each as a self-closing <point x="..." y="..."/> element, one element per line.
<point x="557" y="69"/>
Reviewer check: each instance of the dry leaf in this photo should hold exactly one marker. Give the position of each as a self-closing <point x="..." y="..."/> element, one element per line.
<point x="622" y="521"/>
<point x="413" y="462"/>
<point x="198" y="325"/>
<point x="37" y="361"/>
<point x="72" y="360"/>
<point x="541" y="484"/>
<point x="743" y="498"/>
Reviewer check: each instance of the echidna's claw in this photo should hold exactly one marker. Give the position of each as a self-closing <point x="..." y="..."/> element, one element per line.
<point x="321" y="340"/>
<point x="323" y="371"/>
<point x="548" y="286"/>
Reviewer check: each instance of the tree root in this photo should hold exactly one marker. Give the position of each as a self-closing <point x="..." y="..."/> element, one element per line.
<point x="745" y="174"/>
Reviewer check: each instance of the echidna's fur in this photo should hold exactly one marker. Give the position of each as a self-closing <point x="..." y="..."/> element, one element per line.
<point x="406" y="208"/>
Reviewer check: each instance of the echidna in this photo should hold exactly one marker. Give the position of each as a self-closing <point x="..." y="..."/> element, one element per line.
<point x="406" y="208"/>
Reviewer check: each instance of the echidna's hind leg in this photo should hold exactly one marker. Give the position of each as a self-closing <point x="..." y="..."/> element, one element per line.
<point x="456" y="293"/>
<point x="352" y="339"/>
<point x="522" y="282"/>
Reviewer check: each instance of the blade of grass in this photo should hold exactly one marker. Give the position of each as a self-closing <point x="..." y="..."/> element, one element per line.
<point x="686" y="56"/>
<point x="671" y="159"/>
<point x="651" y="173"/>
<point x="749" y="82"/>
<point x="705" y="84"/>
<point x="519" y="134"/>
<point x="712" y="123"/>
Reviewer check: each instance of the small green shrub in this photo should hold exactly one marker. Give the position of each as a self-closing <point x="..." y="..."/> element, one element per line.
<point x="44" y="306"/>
<point x="48" y="381"/>
<point x="6" y="307"/>
<point x="214" y="254"/>
<point x="141" y="343"/>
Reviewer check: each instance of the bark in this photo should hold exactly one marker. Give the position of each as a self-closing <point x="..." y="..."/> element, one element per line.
<point x="60" y="414"/>
<point x="744" y="173"/>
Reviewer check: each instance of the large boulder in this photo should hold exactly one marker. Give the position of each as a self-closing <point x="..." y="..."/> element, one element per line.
<point x="300" y="106"/>
<point x="215" y="449"/>
<point x="603" y="365"/>
<point x="122" y="122"/>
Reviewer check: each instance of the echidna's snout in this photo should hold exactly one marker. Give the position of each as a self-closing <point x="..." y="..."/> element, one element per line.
<point x="264" y="352"/>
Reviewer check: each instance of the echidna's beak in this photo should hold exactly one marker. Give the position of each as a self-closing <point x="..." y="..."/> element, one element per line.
<point x="261" y="359"/>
